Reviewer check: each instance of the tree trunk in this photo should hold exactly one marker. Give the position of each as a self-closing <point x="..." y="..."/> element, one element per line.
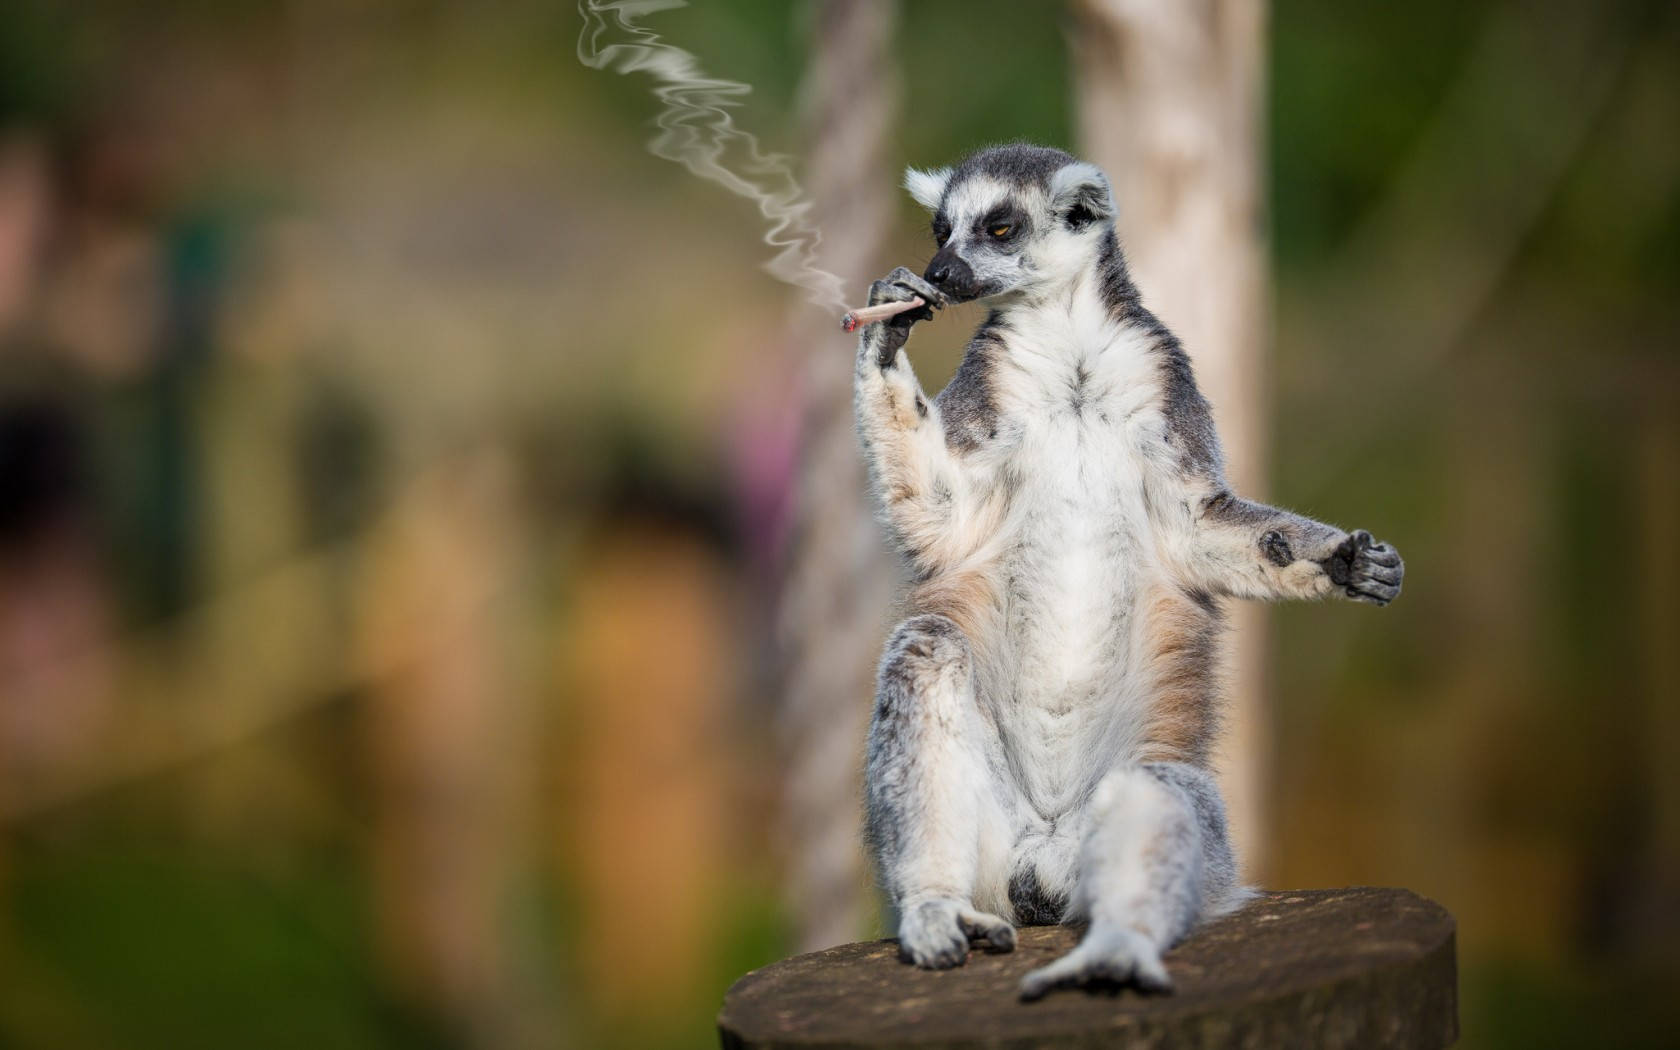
<point x="838" y="582"/>
<point x="1169" y="101"/>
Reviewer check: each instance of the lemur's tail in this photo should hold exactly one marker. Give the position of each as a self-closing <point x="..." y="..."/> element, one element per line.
<point x="696" y="131"/>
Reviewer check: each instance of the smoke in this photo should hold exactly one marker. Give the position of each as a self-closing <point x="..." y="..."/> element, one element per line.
<point x="696" y="131"/>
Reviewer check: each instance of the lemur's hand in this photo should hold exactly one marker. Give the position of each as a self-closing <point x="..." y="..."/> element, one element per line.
<point x="901" y="286"/>
<point x="1366" y="570"/>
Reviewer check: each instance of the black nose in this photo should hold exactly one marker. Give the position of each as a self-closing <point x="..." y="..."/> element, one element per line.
<point x="951" y="275"/>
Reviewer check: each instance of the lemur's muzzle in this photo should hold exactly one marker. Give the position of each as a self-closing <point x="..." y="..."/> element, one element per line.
<point x="948" y="273"/>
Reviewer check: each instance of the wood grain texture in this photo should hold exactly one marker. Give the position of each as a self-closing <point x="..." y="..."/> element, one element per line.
<point x="1306" y="968"/>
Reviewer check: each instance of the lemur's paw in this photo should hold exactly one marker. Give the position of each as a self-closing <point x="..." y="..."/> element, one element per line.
<point x="1107" y="955"/>
<point x="901" y="286"/>
<point x="935" y="934"/>
<point x="1366" y="570"/>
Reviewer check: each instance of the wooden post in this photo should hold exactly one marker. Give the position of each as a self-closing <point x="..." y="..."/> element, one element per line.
<point x="1353" y="968"/>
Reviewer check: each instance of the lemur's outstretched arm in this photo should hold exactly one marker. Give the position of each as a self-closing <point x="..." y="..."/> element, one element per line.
<point x="903" y="435"/>
<point x="1244" y="549"/>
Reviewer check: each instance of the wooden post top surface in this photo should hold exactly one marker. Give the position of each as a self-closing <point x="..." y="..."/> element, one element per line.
<point x="1304" y="968"/>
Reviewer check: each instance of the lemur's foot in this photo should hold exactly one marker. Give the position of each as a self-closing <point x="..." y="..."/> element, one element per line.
<point x="1365" y="569"/>
<point x="1107" y="955"/>
<point x="935" y="934"/>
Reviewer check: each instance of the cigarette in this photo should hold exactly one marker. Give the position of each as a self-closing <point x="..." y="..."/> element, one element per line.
<point x="871" y="314"/>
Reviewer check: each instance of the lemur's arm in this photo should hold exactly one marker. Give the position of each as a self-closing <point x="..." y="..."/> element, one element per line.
<point x="1249" y="550"/>
<point x="911" y="466"/>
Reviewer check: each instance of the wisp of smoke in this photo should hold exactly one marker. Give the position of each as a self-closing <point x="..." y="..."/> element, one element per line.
<point x="696" y="131"/>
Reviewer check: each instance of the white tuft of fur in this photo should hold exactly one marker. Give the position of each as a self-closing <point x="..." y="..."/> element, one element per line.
<point x="927" y="187"/>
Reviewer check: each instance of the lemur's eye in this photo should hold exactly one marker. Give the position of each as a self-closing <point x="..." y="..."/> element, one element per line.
<point x="1000" y="230"/>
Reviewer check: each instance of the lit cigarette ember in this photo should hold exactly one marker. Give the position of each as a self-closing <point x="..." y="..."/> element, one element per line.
<point x="870" y="314"/>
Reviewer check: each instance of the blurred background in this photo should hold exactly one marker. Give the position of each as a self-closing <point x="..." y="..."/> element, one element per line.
<point x="436" y="605"/>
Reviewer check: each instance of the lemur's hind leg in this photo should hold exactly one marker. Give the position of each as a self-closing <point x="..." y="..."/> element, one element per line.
<point x="935" y="819"/>
<point x="1155" y="860"/>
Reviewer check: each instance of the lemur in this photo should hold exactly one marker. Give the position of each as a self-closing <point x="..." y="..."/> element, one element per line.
<point x="1040" y="744"/>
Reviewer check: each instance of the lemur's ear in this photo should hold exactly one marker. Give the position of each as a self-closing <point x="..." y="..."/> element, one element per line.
<point x="927" y="186"/>
<point x="1079" y="193"/>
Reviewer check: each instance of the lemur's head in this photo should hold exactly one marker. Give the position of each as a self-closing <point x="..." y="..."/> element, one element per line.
<point x="1013" y="218"/>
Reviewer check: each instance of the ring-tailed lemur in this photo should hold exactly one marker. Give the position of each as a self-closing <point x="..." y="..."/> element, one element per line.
<point x="1040" y="741"/>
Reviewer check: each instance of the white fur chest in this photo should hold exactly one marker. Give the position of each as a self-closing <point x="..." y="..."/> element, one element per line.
<point x="1082" y="402"/>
